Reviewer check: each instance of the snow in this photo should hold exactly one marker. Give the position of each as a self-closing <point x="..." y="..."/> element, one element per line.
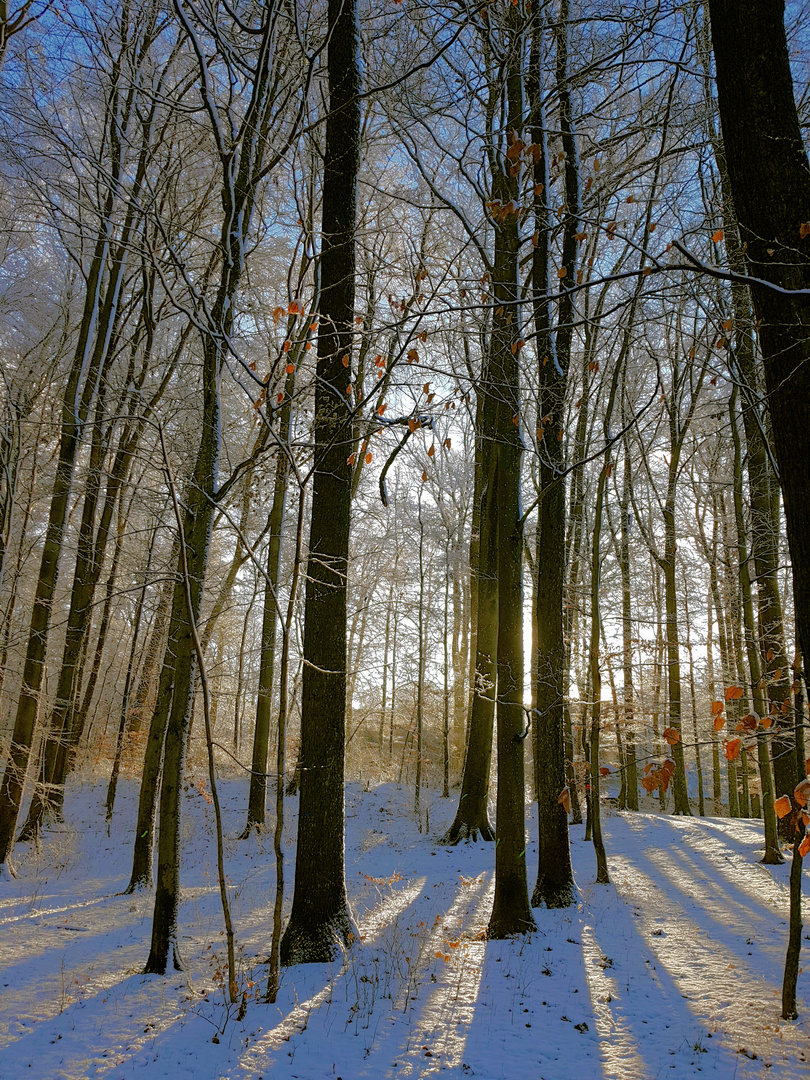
<point x="674" y="970"/>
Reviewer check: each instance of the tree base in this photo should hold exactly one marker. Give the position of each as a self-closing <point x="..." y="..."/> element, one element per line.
<point x="157" y="964"/>
<point x="250" y="828"/>
<point x="554" y="896"/>
<point x="505" y="929"/>
<point x="321" y="944"/>
<point x="469" y="832"/>
<point x="773" y="858"/>
<point x="137" y="884"/>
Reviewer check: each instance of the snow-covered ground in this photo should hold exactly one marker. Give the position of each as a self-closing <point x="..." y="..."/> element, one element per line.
<point x="673" y="970"/>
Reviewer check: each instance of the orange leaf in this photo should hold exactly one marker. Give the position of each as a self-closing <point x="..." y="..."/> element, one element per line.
<point x="807" y="766"/>
<point x="734" y="693"/>
<point x="345" y="361"/>
<point x="732" y="749"/>
<point x="718" y="236"/>
<point x="350" y="459"/>
<point x="718" y="722"/>
<point x="804" y="231"/>
<point x="604" y="771"/>
<point x="286" y="345"/>
<point x="382" y="409"/>
<point x="447" y="444"/>
<point x="431" y="450"/>
<point x="564" y="799"/>
<point x="279" y="398"/>
<point x="717" y="707"/>
<point x="804" y="846"/>
<point x="766" y="721"/>
<point x="748" y="723"/>
<point x="413" y="356"/>
<point x="368" y="458"/>
<point x="424" y="477"/>
<point x="782" y="806"/>
<point x="290" y="368"/>
<point x="672" y="735"/>
<point x="277" y="313"/>
<point x="562" y="272"/>
<point x="801" y="793"/>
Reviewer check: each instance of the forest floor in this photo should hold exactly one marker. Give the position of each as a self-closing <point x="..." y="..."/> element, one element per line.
<point x="673" y="970"/>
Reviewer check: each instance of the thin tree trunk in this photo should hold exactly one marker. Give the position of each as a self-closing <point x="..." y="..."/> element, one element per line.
<point x="627" y="639"/>
<point x="773" y="854"/>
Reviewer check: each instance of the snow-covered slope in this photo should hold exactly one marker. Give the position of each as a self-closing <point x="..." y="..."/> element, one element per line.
<point x="673" y="970"/>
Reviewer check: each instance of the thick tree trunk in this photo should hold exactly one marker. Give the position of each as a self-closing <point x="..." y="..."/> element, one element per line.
<point x="320" y="922"/>
<point x="511" y="913"/>
<point x="555" y="880"/>
<point x="770" y="183"/>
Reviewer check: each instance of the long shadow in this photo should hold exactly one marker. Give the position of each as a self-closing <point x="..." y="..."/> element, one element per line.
<point x="101" y="1033"/>
<point x="393" y="994"/>
<point x="737" y="929"/>
<point x="659" y="1037"/>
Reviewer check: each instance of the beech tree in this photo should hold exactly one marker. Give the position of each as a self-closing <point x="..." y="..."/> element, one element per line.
<point x="320" y="923"/>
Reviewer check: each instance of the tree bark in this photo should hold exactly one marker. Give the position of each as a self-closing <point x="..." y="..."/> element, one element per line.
<point x="770" y="183"/>
<point x="555" y="880"/>
<point x="320" y="924"/>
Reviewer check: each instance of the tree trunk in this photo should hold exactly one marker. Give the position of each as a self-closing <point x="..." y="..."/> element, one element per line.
<point x="627" y="639"/>
<point x="772" y="855"/>
<point x="511" y="913"/>
<point x="80" y="390"/>
<point x="471" y="821"/>
<point x="320" y="922"/>
<point x="770" y="184"/>
<point x="257" y="795"/>
<point x="555" y="880"/>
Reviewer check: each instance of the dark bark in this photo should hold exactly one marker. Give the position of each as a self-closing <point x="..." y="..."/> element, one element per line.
<point x="511" y="913"/>
<point x="555" y="880"/>
<point x="794" y="949"/>
<point x="257" y="795"/>
<point x="471" y="821"/>
<point x="770" y="183"/>
<point x="627" y="641"/>
<point x="772" y="855"/>
<point x="320" y="924"/>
